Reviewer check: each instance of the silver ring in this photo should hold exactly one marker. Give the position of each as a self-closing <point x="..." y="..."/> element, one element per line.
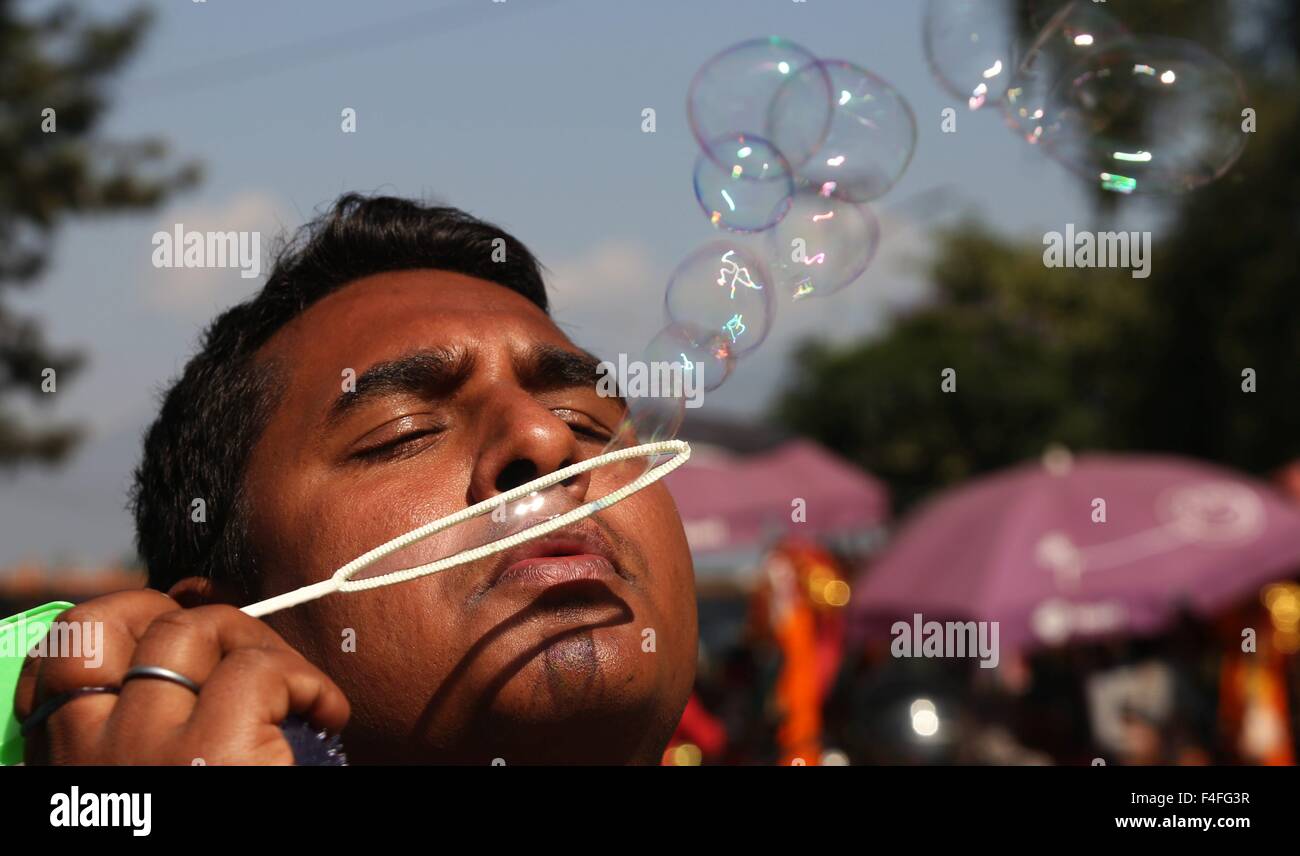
<point x="159" y="673"/>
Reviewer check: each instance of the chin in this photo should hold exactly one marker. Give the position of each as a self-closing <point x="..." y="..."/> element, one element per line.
<point x="591" y="697"/>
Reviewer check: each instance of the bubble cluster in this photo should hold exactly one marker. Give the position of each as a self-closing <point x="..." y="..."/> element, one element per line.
<point x="1134" y="114"/>
<point x="732" y="94"/>
<point x="790" y="146"/>
<point x="793" y="146"/>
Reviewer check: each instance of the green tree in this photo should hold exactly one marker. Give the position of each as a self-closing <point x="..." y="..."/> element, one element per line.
<point x="55" y="66"/>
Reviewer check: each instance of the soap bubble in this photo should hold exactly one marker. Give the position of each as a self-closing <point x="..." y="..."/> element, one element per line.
<point x="748" y="188"/>
<point x="722" y="288"/>
<point x="969" y="46"/>
<point x="1077" y="31"/>
<point x="872" y="133"/>
<point x="822" y="245"/>
<point x="731" y="94"/>
<point x="705" y="356"/>
<point x="1147" y="115"/>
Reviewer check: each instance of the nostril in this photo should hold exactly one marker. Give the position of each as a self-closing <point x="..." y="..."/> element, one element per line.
<point x="514" y="474"/>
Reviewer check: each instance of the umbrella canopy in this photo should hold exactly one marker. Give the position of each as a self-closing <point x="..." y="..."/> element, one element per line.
<point x="1096" y="545"/>
<point x="731" y="502"/>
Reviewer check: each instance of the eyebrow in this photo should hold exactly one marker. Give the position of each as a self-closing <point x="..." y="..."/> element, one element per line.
<point x="544" y="368"/>
<point x="428" y="372"/>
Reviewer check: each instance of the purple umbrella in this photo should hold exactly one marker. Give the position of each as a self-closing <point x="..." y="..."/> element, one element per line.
<point x="731" y="502"/>
<point x="1097" y="545"/>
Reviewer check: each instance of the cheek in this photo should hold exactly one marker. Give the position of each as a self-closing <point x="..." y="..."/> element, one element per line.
<point x="650" y="522"/>
<point x="389" y="650"/>
<point x="320" y="527"/>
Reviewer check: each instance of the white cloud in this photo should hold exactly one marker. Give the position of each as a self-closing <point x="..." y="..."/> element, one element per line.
<point x="197" y="294"/>
<point x="610" y="298"/>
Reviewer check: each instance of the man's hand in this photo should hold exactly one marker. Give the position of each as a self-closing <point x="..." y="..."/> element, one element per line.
<point x="250" y="681"/>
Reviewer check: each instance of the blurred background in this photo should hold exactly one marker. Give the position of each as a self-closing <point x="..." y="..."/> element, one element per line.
<point x="837" y="489"/>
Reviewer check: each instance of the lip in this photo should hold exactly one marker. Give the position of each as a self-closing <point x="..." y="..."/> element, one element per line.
<point x="567" y="556"/>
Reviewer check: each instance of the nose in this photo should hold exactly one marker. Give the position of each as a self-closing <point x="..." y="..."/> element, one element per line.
<point x="524" y="440"/>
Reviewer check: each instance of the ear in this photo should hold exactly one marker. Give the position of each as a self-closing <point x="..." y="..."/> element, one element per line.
<point x="201" y="591"/>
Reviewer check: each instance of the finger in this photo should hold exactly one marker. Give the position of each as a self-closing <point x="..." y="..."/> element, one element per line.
<point x="254" y="690"/>
<point x="190" y="642"/>
<point x="111" y="625"/>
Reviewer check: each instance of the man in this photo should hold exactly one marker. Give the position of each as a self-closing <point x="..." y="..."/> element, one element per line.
<point x="267" y="469"/>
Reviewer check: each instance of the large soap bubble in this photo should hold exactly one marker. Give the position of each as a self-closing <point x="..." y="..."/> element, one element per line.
<point x="823" y="244"/>
<point x="748" y="188"/>
<point x="872" y="134"/>
<point x="1079" y="30"/>
<point x="722" y="288"/>
<point x="969" y="46"/>
<point x="1147" y="115"/>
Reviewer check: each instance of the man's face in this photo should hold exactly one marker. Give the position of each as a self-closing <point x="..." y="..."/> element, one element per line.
<point x="471" y="391"/>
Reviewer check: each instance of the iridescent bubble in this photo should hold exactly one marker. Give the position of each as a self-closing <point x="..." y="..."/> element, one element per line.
<point x="731" y="94"/>
<point x="969" y="46"/>
<point x="704" y="357"/>
<point x="1148" y="115"/>
<point x="1077" y="31"/>
<point x="722" y="288"/>
<point x="823" y="244"/>
<point x="748" y="188"/>
<point x="872" y="134"/>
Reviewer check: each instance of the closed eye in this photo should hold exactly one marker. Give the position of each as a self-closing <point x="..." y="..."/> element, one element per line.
<point x="584" y="426"/>
<point x="398" y="447"/>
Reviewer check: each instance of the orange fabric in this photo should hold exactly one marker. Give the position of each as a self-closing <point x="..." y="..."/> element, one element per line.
<point x="1253" y="689"/>
<point x="798" y="689"/>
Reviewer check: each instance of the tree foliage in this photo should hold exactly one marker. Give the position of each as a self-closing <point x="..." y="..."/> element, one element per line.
<point x="56" y="165"/>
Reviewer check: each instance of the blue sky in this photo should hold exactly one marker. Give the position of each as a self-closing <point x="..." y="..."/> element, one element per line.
<point x="527" y="113"/>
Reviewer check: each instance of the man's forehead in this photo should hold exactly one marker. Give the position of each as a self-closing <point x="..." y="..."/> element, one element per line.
<point x="383" y="315"/>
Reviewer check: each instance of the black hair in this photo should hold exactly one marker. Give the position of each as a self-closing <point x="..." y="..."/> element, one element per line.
<point x="213" y="414"/>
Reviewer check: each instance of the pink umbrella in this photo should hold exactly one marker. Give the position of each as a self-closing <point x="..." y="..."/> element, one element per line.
<point x="1096" y="545"/>
<point x="732" y="502"/>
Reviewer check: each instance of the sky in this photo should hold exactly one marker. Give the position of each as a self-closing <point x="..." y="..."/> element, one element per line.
<point x="527" y="113"/>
